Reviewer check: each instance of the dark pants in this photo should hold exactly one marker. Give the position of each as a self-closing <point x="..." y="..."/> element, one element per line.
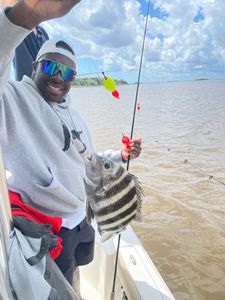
<point x="78" y="248"/>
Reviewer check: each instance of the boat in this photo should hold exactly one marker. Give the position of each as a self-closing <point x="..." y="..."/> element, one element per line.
<point x="136" y="278"/>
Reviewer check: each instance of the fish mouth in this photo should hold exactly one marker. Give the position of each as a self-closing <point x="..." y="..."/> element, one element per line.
<point x="92" y="162"/>
<point x="91" y="159"/>
<point x="91" y="167"/>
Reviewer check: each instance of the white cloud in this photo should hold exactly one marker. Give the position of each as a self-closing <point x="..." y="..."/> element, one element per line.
<point x="176" y="46"/>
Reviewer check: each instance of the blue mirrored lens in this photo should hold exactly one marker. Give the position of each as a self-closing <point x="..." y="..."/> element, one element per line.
<point x="51" y="68"/>
<point x="66" y="72"/>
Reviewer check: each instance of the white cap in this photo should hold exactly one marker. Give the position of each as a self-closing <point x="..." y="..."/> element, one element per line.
<point x="50" y="47"/>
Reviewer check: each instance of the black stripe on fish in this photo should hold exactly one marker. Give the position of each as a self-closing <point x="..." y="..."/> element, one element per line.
<point x="118" y="204"/>
<point x="117" y="175"/>
<point x="117" y="228"/>
<point x="115" y="189"/>
<point x="121" y="216"/>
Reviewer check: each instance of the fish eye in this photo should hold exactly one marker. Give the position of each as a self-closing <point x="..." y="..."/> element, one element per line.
<point x="107" y="165"/>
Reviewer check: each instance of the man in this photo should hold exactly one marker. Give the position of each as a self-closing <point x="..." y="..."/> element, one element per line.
<point x="27" y="51"/>
<point x="44" y="140"/>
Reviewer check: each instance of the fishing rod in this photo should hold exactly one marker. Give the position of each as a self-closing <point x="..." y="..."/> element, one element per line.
<point x="131" y="135"/>
<point x="138" y="81"/>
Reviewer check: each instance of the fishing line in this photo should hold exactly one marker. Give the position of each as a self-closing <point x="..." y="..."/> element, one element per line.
<point x="210" y="177"/>
<point x="131" y="136"/>
<point x="100" y="72"/>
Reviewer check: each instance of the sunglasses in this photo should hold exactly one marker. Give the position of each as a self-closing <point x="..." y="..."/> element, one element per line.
<point x="51" y="68"/>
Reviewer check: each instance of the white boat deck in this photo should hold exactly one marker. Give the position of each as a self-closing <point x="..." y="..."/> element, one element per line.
<point x="137" y="276"/>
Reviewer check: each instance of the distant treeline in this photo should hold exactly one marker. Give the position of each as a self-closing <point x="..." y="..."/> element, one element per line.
<point x="201" y="79"/>
<point x="94" y="81"/>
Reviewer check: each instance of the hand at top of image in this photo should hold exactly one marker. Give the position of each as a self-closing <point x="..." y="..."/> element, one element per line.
<point x="29" y="13"/>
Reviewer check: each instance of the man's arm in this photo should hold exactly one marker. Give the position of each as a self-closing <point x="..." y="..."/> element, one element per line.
<point x="10" y="37"/>
<point x="17" y="23"/>
<point x="5" y="3"/>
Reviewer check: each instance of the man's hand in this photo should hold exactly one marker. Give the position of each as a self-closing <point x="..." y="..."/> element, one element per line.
<point x="5" y="3"/>
<point x="29" y="13"/>
<point x="135" y="150"/>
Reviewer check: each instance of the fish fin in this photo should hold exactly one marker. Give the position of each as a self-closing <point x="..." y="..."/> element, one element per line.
<point x="140" y="196"/>
<point x="89" y="212"/>
<point x="105" y="235"/>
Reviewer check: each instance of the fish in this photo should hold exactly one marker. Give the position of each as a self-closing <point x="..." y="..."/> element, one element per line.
<point x="114" y="196"/>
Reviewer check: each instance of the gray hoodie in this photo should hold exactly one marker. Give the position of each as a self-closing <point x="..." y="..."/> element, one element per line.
<point x="45" y="158"/>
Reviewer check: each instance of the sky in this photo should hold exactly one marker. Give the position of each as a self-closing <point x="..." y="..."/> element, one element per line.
<point x="185" y="40"/>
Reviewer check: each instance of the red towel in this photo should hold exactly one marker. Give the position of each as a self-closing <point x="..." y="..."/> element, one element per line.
<point x="21" y="209"/>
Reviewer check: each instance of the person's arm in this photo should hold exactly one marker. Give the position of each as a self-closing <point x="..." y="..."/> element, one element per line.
<point x="30" y="13"/>
<point x="17" y="22"/>
<point x="6" y="3"/>
<point x="10" y="37"/>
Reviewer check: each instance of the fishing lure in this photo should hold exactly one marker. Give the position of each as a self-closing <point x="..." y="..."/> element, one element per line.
<point x="138" y="107"/>
<point x="110" y="85"/>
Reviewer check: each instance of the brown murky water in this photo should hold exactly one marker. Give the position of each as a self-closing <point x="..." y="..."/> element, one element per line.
<point x="184" y="212"/>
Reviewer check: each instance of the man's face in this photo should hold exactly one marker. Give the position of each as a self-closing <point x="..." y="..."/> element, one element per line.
<point x="53" y="88"/>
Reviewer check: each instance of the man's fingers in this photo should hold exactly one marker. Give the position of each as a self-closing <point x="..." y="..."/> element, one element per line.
<point x="135" y="149"/>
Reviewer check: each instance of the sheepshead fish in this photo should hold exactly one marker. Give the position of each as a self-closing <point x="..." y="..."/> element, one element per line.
<point x="114" y="196"/>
